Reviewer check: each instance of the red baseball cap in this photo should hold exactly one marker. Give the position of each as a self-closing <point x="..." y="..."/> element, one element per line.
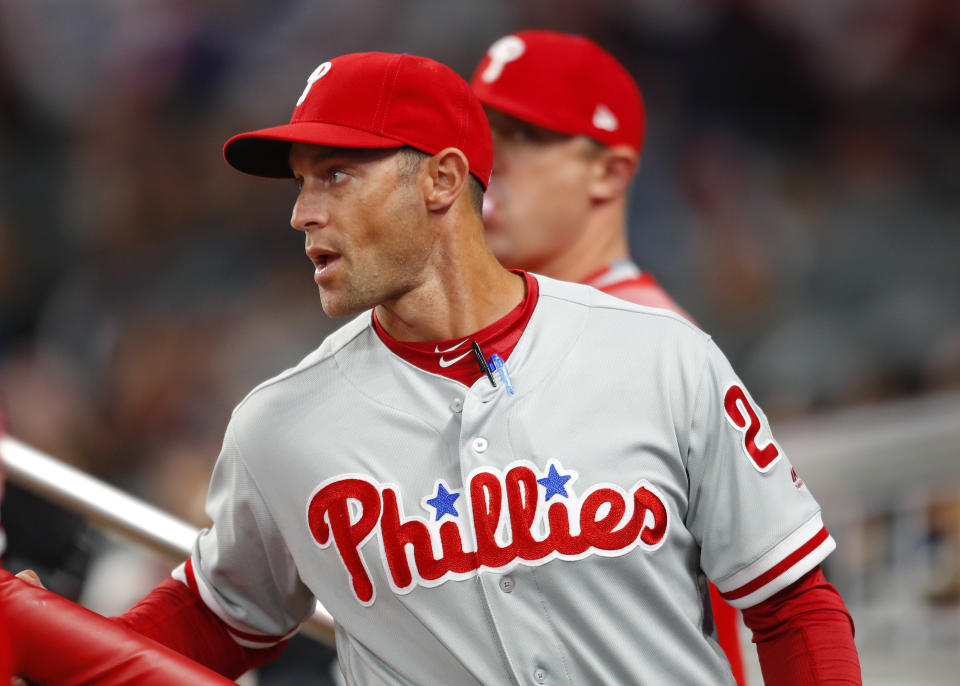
<point x="373" y="100"/>
<point x="564" y="83"/>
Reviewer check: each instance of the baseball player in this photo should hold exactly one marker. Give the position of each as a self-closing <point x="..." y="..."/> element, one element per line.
<point x="436" y="472"/>
<point x="568" y="126"/>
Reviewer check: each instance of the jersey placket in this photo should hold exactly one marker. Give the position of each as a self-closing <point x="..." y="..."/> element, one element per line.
<point x="510" y="593"/>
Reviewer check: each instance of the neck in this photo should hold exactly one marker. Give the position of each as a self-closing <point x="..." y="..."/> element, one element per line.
<point x="463" y="289"/>
<point x="602" y="242"/>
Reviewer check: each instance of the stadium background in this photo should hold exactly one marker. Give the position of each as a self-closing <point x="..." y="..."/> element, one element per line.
<point x="799" y="194"/>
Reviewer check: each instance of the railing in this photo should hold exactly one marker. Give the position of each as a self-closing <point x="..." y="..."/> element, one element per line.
<point x="109" y="508"/>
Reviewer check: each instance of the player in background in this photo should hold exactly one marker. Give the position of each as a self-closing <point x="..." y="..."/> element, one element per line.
<point x="469" y="525"/>
<point x="568" y="127"/>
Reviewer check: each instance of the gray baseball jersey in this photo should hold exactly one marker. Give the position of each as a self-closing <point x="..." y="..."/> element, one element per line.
<point x="561" y="533"/>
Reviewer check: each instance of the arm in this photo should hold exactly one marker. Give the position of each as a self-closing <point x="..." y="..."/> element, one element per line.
<point x="804" y="635"/>
<point x="175" y="616"/>
<point x="763" y="538"/>
<point x="238" y="599"/>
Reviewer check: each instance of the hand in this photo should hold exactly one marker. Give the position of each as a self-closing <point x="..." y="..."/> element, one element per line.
<point x="31" y="578"/>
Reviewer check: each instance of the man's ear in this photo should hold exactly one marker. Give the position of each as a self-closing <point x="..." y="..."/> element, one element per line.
<point x="612" y="169"/>
<point x="447" y="172"/>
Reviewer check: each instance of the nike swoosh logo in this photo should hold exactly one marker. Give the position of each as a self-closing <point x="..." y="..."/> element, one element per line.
<point x="447" y="363"/>
<point x="436" y="348"/>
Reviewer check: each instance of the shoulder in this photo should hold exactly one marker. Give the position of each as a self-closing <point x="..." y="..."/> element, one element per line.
<point x="610" y="333"/>
<point x="310" y="370"/>
<point x="602" y="307"/>
<point x="644" y="290"/>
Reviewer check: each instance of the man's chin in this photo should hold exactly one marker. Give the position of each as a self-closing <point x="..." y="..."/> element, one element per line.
<point x="340" y="313"/>
<point x="337" y="309"/>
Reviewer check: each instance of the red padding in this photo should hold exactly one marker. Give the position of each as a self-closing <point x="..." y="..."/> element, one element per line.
<point x="173" y="615"/>
<point x="56" y="641"/>
<point x="6" y="661"/>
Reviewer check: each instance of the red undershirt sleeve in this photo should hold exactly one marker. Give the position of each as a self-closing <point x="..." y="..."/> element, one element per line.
<point x="176" y="617"/>
<point x="804" y="635"/>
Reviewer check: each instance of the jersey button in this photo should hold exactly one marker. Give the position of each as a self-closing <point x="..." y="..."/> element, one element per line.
<point x="507" y="584"/>
<point x="457" y="405"/>
<point x="479" y="444"/>
<point x="540" y="675"/>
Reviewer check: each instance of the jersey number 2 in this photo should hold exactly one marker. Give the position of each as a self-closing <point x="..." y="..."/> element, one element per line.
<point x="745" y="419"/>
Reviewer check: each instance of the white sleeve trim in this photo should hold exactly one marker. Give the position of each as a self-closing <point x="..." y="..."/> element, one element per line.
<point x="240" y="633"/>
<point x="785" y="563"/>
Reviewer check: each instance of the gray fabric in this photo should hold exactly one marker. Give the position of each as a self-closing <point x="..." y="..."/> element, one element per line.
<point x="614" y="395"/>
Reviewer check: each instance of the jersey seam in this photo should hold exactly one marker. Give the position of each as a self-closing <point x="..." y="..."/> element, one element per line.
<point x="697" y="397"/>
<point x="546" y="612"/>
<point x="807" y="642"/>
<point x="419" y="368"/>
<point x="495" y="629"/>
<point x="301" y="368"/>
<point x="378" y="401"/>
<point x="646" y="310"/>
<point x="256" y="484"/>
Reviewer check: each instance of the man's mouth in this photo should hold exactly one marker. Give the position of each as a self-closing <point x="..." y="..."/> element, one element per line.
<point x="322" y="260"/>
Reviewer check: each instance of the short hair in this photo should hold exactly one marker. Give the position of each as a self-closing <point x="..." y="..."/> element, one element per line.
<point x="410" y="161"/>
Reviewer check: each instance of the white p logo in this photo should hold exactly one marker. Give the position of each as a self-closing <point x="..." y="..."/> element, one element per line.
<point x="505" y="50"/>
<point x="317" y="74"/>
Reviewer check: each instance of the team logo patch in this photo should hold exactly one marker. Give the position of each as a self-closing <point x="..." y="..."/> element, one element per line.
<point x="507" y="49"/>
<point x="797" y="481"/>
<point x="315" y="76"/>
<point x="521" y="516"/>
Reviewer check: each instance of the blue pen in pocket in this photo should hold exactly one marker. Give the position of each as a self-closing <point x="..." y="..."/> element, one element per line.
<point x="497" y="363"/>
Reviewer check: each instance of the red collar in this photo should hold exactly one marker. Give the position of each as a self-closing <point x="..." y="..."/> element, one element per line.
<point x="596" y="275"/>
<point x="454" y="357"/>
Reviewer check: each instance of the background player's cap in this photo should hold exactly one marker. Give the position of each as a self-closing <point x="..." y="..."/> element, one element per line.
<point x="374" y="100"/>
<point x="564" y="83"/>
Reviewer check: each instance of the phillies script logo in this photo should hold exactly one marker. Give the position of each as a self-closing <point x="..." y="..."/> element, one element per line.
<point x="520" y="516"/>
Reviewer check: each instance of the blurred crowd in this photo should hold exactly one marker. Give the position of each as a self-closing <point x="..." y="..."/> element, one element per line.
<point x="799" y="195"/>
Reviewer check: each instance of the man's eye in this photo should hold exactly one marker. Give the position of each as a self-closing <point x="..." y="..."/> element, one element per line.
<point x="298" y="180"/>
<point x="522" y="134"/>
<point x="336" y="176"/>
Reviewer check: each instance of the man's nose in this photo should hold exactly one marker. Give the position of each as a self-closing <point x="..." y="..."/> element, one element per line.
<point x="309" y="212"/>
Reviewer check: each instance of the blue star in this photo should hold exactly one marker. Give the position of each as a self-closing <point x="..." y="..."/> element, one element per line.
<point x="554" y="483"/>
<point x="443" y="502"/>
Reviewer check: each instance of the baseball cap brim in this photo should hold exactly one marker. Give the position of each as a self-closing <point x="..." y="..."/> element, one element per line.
<point x="266" y="152"/>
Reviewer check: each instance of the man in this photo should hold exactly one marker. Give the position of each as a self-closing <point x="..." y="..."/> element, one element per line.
<point x="465" y="524"/>
<point x="568" y="126"/>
